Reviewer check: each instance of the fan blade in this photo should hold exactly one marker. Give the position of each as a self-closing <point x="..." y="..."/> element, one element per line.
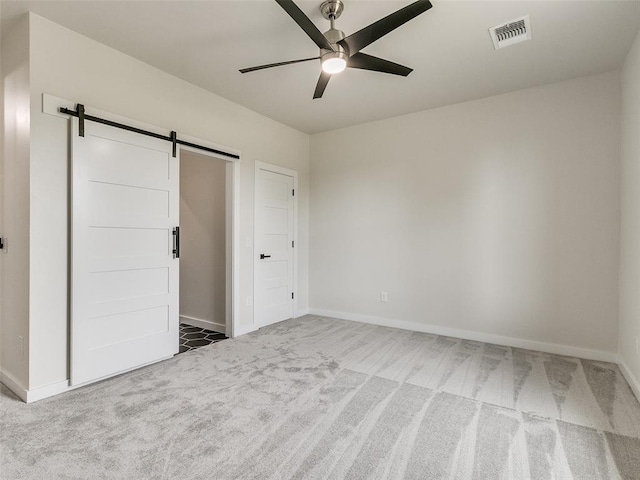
<point x="367" y="62"/>
<point x="279" y="64"/>
<point x="373" y="32"/>
<point x="322" y="84"/>
<point x="307" y="25"/>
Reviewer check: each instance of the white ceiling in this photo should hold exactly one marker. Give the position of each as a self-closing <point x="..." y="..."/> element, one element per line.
<point x="449" y="48"/>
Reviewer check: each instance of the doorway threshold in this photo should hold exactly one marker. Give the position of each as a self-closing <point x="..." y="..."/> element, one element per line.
<point x="192" y="337"/>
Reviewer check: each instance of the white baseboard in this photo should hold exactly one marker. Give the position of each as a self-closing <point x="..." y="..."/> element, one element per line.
<point x="29" y="396"/>
<point x="244" y="330"/>
<point x="13" y="385"/>
<point x="301" y="312"/>
<point x="206" y="324"/>
<point x="568" y="350"/>
<point x="48" y="391"/>
<point x="634" y="383"/>
<point x="216" y="327"/>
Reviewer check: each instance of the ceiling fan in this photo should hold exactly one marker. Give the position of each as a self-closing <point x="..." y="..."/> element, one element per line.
<point x="338" y="52"/>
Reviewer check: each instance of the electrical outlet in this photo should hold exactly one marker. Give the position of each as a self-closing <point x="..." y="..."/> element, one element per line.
<point x="384" y="296"/>
<point x="21" y="345"/>
<point x="637" y="345"/>
<point x="247" y="242"/>
<point x="249" y="301"/>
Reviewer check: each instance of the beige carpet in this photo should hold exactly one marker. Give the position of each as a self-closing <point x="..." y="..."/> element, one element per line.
<point x="320" y="398"/>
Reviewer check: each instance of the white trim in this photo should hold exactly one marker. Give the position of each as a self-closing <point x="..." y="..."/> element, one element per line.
<point x="567" y="350"/>
<point x="290" y="173"/>
<point x="276" y="169"/>
<point x="206" y="324"/>
<point x="232" y="236"/>
<point x="301" y="312"/>
<point x="246" y="329"/>
<point x="13" y="385"/>
<point x="634" y="383"/>
<point x="48" y="391"/>
<point x="29" y="396"/>
<point x="233" y="278"/>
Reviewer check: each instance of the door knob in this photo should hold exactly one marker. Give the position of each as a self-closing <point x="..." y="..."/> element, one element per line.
<point x="263" y="256"/>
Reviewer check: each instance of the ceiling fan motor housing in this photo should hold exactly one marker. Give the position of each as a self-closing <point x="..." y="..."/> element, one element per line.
<point x="332" y="9"/>
<point x="334" y="36"/>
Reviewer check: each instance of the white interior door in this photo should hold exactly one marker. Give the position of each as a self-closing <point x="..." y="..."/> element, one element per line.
<point x="274" y="247"/>
<point x="125" y="205"/>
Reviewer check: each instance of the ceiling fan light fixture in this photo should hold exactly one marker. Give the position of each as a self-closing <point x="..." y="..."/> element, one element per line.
<point x="334" y="64"/>
<point x="337" y="51"/>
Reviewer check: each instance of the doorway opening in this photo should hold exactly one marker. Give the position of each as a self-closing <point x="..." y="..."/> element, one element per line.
<point x="206" y="184"/>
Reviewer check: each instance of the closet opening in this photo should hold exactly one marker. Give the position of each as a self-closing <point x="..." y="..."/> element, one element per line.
<point x="205" y="249"/>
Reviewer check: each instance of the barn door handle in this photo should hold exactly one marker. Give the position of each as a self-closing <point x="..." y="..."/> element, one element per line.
<point x="176" y="242"/>
<point x="263" y="256"/>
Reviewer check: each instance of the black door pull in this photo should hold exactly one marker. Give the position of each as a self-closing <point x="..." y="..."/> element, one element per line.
<point x="176" y="242"/>
<point x="263" y="256"/>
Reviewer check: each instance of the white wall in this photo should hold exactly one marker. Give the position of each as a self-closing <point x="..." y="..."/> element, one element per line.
<point x="629" y="329"/>
<point x="14" y="262"/>
<point x="498" y="216"/>
<point x="69" y="65"/>
<point x="202" y="238"/>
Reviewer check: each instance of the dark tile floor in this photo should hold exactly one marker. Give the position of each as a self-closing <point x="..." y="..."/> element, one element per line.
<point x="196" y="337"/>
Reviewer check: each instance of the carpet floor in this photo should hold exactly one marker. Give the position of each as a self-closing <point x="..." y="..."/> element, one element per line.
<point x="319" y="398"/>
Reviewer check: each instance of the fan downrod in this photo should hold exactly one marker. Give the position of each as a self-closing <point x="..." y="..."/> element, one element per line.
<point x="332" y="9"/>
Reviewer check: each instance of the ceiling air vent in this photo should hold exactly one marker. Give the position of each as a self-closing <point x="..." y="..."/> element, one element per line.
<point x="510" y="33"/>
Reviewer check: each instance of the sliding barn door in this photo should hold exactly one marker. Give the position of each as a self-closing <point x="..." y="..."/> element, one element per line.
<point x="124" y="292"/>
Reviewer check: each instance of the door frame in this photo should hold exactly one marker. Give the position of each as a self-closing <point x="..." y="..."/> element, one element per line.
<point x="290" y="173"/>
<point x="51" y="105"/>
<point x="232" y="216"/>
